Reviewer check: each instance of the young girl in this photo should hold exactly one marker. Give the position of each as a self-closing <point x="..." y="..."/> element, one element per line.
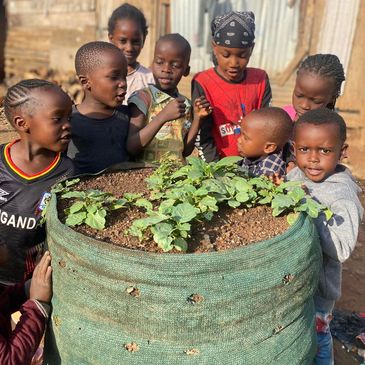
<point x="40" y="112"/>
<point x="127" y="28"/>
<point x="232" y="89"/>
<point x="318" y="84"/>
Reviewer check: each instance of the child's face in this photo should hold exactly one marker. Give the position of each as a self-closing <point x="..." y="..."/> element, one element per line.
<point x="232" y="62"/>
<point x="312" y="92"/>
<point x="318" y="150"/>
<point x="252" y="140"/>
<point x="128" y="37"/>
<point x="48" y="124"/>
<point x="170" y="64"/>
<point x="107" y="83"/>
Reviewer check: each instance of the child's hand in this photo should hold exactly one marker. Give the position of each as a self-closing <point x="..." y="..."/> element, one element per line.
<point x="41" y="284"/>
<point x="276" y="179"/>
<point x="174" y="109"/>
<point x="290" y="166"/>
<point x="202" y="107"/>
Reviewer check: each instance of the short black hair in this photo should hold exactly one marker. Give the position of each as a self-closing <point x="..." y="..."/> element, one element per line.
<point x="278" y="125"/>
<point x="323" y="116"/>
<point x="18" y="96"/>
<point x="88" y="56"/>
<point x="179" y="40"/>
<point x="325" y="65"/>
<point x="128" y="11"/>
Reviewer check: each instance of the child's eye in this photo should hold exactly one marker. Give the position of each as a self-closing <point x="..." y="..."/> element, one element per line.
<point x="303" y="149"/>
<point x="325" y="151"/>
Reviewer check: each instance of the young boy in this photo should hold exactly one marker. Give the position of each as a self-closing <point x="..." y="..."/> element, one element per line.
<point x="18" y="346"/>
<point x="39" y="111"/>
<point x="319" y="144"/>
<point x="100" y="123"/>
<point x="264" y="132"/>
<point x="160" y="116"/>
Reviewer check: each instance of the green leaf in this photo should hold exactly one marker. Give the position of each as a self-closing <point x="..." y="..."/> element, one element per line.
<point x="242" y="197"/>
<point x="75" y="207"/>
<point x="230" y="161"/>
<point x="71" y="182"/>
<point x="75" y="219"/>
<point x="292" y="218"/>
<point x="297" y="194"/>
<point x="214" y="186"/>
<point x="96" y="220"/>
<point x="180" y="244"/>
<point x="313" y="208"/>
<point x="282" y="201"/>
<point x="265" y="200"/>
<point x="184" y="212"/>
<point x="92" y="208"/>
<point x="144" y="203"/>
<point x="242" y="185"/>
<point x="117" y="204"/>
<point x="208" y="203"/>
<point x="164" y="229"/>
<point x="208" y="216"/>
<point x="166" y="206"/>
<point x="234" y="203"/>
<point x="131" y="197"/>
<point x="73" y="194"/>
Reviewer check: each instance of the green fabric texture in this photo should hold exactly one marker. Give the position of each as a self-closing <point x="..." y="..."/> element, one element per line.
<point x="256" y="302"/>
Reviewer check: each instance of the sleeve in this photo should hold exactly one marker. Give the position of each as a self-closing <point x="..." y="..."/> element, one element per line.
<point x="204" y="140"/>
<point x="339" y="234"/>
<point x="25" y="339"/>
<point x="266" y="100"/>
<point x="141" y="100"/>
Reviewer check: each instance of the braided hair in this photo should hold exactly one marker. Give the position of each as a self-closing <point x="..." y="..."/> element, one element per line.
<point x="19" y="96"/>
<point x="128" y="11"/>
<point x="325" y="65"/>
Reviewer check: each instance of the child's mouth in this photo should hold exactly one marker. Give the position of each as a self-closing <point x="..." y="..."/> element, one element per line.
<point x="66" y="138"/>
<point x="313" y="171"/>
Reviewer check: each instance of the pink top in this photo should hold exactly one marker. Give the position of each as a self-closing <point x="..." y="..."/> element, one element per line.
<point x="291" y="111"/>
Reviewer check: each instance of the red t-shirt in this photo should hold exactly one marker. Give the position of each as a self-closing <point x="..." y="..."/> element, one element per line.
<point x="231" y="102"/>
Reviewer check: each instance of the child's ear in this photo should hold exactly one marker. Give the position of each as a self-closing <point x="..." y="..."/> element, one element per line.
<point x="344" y="151"/>
<point x="270" y="147"/>
<point x="110" y="37"/>
<point x="84" y="81"/>
<point x="20" y="123"/>
<point x="187" y="71"/>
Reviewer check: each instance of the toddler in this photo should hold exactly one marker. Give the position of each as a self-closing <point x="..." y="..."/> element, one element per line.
<point x="319" y="145"/>
<point x="100" y="123"/>
<point x="264" y="133"/>
<point x="127" y="29"/>
<point x="160" y="115"/>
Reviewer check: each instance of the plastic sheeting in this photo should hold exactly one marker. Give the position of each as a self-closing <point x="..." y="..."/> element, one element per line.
<point x="277" y="23"/>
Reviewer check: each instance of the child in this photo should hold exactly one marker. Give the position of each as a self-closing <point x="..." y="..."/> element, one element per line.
<point x="100" y="123"/>
<point x="318" y="84"/>
<point x="319" y="143"/>
<point x="39" y="111"/>
<point x="127" y="29"/>
<point x="160" y="116"/>
<point x="18" y="346"/>
<point x="232" y="89"/>
<point x="264" y="133"/>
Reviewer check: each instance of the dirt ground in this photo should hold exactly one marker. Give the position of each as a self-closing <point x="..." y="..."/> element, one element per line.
<point x="353" y="290"/>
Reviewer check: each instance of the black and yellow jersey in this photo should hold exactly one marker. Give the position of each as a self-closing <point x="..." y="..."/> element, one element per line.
<point x="22" y="200"/>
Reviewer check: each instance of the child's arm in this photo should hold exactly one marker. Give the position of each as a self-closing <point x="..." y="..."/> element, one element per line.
<point x="339" y="234"/>
<point x="141" y="133"/>
<point x="202" y="109"/>
<point x="205" y="140"/>
<point x="21" y="345"/>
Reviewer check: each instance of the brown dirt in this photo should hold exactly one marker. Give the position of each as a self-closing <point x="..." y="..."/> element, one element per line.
<point x="228" y="229"/>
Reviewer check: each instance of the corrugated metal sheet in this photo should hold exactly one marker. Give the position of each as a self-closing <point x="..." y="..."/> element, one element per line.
<point x="338" y="29"/>
<point x="276" y="30"/>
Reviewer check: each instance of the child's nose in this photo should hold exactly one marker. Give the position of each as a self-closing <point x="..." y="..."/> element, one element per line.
<point x="306" y="104"/>
<point x="313" y="156"/>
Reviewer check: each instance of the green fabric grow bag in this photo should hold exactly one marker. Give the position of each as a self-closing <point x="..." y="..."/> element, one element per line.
<point x="255" y="302"/>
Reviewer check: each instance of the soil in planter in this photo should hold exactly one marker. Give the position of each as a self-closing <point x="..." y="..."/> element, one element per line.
<point x="228" y="229"/>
